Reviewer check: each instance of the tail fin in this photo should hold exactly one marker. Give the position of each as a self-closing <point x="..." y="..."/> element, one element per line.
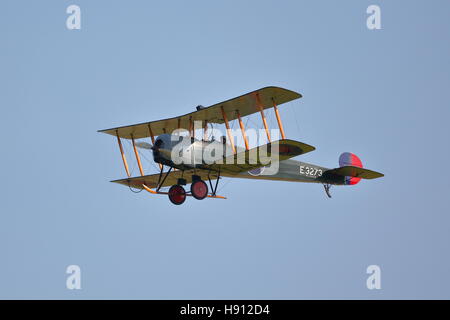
<point x="351" y="169"/>
<point x="350" y="159"/>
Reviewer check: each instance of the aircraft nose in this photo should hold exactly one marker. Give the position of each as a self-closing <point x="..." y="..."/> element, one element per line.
<point x="159" y="143"/>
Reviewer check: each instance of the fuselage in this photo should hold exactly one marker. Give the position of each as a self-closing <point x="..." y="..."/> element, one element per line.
<point x="186" y="153"/>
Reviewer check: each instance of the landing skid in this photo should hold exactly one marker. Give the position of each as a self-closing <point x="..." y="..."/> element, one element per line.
<point x="327" y="189"/>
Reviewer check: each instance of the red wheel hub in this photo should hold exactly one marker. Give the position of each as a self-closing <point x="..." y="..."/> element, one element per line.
<point x="177" y="194"/>
<point x="199" y="189"/>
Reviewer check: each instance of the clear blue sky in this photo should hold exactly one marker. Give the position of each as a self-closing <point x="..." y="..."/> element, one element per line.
<point x="381" y="94"/>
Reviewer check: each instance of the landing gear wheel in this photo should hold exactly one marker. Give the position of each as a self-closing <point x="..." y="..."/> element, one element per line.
<point x="199" y="189"/>
<point x="177" y="194"/>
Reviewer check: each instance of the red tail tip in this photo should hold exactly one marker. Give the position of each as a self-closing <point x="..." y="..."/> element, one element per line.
<point x="350" y="159"/>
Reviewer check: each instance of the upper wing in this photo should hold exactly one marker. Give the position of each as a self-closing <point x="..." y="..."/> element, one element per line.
<point x="260" y="156"/>
<point x="351" y="171"/>
<point x="246" y="104"/>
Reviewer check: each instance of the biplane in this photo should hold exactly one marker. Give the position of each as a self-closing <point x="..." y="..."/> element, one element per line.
<point x="226" y="158"/>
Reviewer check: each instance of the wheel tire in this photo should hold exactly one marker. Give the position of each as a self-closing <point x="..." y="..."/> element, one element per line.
<point x="177" y="194"/>
<point x="199" y="189"/>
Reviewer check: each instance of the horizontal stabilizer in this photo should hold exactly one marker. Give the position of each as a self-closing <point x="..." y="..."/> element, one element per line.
<point x="351" y="171"/>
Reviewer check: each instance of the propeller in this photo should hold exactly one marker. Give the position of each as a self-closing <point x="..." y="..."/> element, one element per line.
<point x="148" y="146"/>
<point x="144" y="145"/>
<point x="154" y="148"/>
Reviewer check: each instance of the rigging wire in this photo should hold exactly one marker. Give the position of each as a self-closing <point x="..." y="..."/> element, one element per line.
<point x="133" y="167"/>
<point x="151" y="162"/>
<point x="295" y="117"/>
<point x="225" y="183"/>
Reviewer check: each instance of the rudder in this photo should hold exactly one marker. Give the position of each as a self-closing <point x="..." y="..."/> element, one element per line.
<point x="350" y="159"/>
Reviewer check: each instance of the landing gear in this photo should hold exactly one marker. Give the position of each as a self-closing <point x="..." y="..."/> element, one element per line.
<point x="177" y="194"/>
<point x="214" y="190"/>
<point x="199" y="189"/>
<point x="327" y="189"/>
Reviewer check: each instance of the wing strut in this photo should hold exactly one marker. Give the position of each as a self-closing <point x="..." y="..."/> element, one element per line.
<point x="151" y="134"/>
<point x="191" y="128"/>
<point x="205" y="130"/>
<point x="136" y="153"/>
<point x="241" y="124"/>
<point x="124" y="159"/>
<point x="280" y="125"/>
<point x="261" y="110"/>
<point x="230" y="137"/>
